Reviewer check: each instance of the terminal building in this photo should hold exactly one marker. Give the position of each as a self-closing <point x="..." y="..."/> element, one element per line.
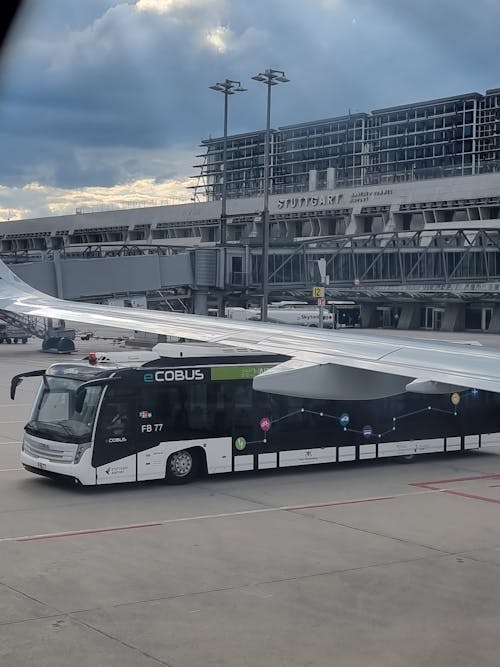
<point x="456" y="136"/>
<point x="403" y="204"/>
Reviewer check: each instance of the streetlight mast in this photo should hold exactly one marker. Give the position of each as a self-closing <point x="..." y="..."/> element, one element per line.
<point x="227" y="87"/>
<point x="271" y="77"/>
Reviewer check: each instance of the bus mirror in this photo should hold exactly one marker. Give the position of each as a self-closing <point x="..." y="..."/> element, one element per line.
<point x="15" y="382"/>
<point x="17" y="379"/>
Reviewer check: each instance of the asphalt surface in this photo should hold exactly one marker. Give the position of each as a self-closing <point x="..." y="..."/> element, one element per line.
<point x="379" y="564"/>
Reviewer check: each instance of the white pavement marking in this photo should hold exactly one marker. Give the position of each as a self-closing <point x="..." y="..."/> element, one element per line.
<point x="202" y="517"/>
<point x="17" y="405"/>
<point x="10" y="469"/>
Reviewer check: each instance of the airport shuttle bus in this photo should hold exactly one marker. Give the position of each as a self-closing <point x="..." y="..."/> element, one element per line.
<point x="182" y="410"/>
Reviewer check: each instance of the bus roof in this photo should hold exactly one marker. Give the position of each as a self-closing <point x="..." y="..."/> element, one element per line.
<point x="114" y="360"/>
<point x="189" y="350"/>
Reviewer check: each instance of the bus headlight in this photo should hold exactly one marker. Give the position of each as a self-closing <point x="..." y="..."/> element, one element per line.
<point x="82" y="447"/>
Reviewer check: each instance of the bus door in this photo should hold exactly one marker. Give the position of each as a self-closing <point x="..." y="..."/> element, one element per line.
<point x="114" y="455"/>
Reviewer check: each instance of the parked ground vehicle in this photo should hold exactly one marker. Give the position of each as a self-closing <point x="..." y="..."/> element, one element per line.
<point x="12" y="334"/>
<point x="181" y="409"/>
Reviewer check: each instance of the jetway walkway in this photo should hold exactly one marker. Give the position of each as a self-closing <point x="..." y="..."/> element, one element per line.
<point x="445" y="267"/>
<point x="449" y="263"/>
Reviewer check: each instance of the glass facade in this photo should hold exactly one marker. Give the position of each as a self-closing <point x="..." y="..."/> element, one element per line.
<point x="455" y="136"/>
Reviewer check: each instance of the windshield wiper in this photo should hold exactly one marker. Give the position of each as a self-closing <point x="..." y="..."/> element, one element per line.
<point x="49" y="428"/>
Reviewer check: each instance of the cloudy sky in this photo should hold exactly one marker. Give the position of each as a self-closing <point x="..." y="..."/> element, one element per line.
<point x="106" y="101"/>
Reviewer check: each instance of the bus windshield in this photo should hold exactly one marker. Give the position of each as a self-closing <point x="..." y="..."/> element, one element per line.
<point x="55" y="416"/>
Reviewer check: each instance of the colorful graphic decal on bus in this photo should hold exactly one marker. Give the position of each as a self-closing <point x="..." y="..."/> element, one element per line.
<point x="240" y="443"/>
<point x="344" y="420"/>
<point x="265" y="424"/>
<point x="367" y="431"/>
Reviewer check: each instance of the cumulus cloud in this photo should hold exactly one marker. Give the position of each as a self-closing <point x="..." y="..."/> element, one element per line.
<point x="106" y="92"/>
<point x="36" y="200"/>
<point x="183" y="9"/>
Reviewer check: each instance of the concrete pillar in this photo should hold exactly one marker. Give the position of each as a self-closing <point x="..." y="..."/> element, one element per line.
<point x="410" y="316"/>
<point x="368" y="315"/>
<point x="58" y="274"/>
<point x="221" y="305"/>
<point x="495" y="319"/>
<point x="313" y="180"/>
<point x="331" y="178"/>
<point x="200" y="302"/>
<point x="453" y="317"/>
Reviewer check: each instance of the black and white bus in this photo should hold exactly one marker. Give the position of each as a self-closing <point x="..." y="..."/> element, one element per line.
<point x="183" y="409"/>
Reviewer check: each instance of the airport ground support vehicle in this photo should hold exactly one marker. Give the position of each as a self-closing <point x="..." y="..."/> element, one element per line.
<point x="12" y="334"/>
<point x="182" y="410"/>
<point x="304" y="316"/>
<point x="323" y="377"/>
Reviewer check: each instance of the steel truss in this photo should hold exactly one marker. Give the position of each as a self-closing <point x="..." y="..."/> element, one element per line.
<point x="458" y="263"/>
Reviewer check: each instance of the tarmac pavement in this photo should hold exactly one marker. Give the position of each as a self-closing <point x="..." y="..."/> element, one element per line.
<point x="378" y="563"/>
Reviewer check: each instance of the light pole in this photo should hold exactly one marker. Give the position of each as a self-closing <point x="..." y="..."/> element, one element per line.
<point x="227" y="87"/>
<point x="271" y="77"/>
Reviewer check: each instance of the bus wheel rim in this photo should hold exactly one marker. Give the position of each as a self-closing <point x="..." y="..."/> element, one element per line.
<point x="181" y="464"/>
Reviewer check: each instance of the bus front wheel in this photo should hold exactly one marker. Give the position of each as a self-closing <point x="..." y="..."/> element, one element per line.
<point x="182" y="467"/>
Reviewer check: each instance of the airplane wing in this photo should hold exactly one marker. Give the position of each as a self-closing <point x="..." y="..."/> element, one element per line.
<point x="323" y="363"/>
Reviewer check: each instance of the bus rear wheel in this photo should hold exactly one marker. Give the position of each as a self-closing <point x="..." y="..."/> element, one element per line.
<point x="408" y="458"/>
<point x="182" y="467"/>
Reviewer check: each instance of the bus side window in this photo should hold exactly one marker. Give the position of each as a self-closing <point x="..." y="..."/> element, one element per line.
<point x="200" y="408"/>
<point x="242" y="404"/>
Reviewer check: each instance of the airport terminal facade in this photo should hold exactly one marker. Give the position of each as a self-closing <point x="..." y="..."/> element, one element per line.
<point x="455" y="136"/>
<point x="402" y="203"/>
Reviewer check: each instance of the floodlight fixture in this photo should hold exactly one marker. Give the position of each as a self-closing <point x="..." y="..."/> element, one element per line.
<point x="227" y="87"/>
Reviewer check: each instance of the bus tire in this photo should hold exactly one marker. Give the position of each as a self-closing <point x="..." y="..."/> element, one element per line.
<point x="408" y="458"/>
<point x="24" y="341"/>
<point x="8" y="341"/>
<point x="182" y="466"/>
<point x="15" y="341"/>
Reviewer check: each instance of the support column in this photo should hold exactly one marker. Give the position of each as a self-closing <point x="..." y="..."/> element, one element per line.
<point x="221" y="306"/>
<point x="58" y="274"/>
<point x="410" y="316"/>
<point x="368" y="315"/>
<point x="454" y="317"/>
<point x="200" y="302"/>
<point x="331" y="178"/>
<point x="313" y="180"/>
<point x="495" y="319"/>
